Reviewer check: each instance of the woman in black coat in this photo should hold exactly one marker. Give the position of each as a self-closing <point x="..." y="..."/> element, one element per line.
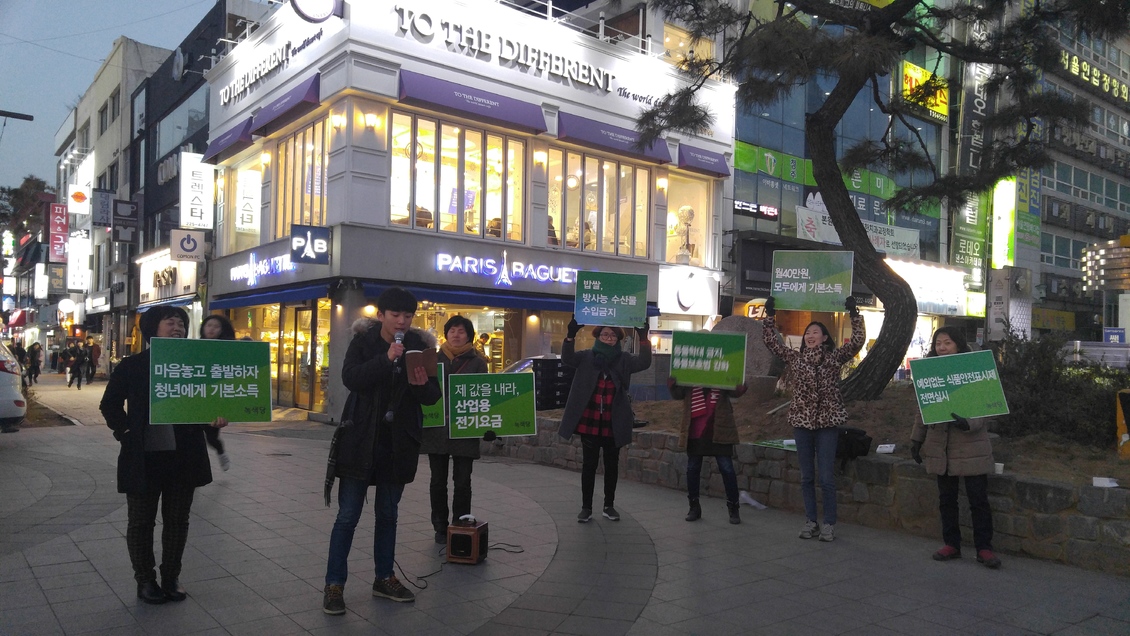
<point x="458" y="355"/>
<point x="157" y="464"/>
<point x="599" y="408"/>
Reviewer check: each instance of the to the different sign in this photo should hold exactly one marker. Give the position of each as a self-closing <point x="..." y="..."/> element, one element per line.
<point x="196" y="381"/>
<point x="610" y="299"/>
<point x="811" y="281"/>
<point x="963" y="383"/>
<point x="709" y="359"/>
<point x="499" y="402"/>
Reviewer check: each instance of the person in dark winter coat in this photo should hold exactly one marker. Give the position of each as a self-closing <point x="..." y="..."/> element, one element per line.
<point x="157" y="464"/>
<point x="217" y="327"/>
<point x="817" y="408"/>
<point x="599" y="408"/>
<point x="34" y="362"/>
<point x="457" y="355"/>
<point x="956" y="450"/>
<point x="76" y="364"/>
<point x="708" y="430"/>
<point x="379" y="443"/>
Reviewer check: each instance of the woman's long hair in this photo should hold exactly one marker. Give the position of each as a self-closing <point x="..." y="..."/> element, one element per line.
<point x="829" y="343"/>
<point x="227" y="331"/>
<point x="955" y="334"/>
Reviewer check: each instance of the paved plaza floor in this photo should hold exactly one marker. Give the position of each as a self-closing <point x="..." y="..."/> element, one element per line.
<point x="256" y="556"/>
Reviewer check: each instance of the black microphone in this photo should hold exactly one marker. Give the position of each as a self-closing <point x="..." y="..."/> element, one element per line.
<point x="398" y="337"/>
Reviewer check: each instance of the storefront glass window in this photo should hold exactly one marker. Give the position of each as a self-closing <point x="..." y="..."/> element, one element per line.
<point x="241" y="189"/>
<point x="300" y="179"/>
<point x="492" y="206"/>
<point x="515" y="191"/>
<point x="688" y="205"/>
<point x="608" y="213"/>
<point x="472" y="183"/>
<point x="186" y="119"/>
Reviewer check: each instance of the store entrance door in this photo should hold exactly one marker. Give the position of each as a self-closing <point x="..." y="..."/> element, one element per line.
<point x="304" y="349"/>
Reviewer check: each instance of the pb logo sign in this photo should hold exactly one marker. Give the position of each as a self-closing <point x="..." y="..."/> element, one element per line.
<point x="310" y="244"/>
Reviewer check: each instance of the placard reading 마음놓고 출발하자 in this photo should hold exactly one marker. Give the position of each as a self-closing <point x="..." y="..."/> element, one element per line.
<point x="811" y="281"/>
<point x="196" y="381"/>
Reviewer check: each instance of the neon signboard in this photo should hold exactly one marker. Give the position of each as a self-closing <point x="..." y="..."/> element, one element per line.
<point x="504" y="271"/>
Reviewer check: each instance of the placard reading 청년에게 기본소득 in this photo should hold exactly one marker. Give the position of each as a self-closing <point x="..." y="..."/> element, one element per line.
<point x="962" y="383"/>
<point x="811" y="281"/>
<point x="611" y="299"/>
<point x="499" y="402"/>
<point x="196" y="381"/>
<point x="709" y="359"/>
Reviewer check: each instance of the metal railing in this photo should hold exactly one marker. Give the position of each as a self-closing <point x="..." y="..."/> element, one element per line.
<point x="597" y="28"/>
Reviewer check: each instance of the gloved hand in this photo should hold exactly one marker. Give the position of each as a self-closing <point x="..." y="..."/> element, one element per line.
<point x="916" y="451"/>
<point x="770" y="307"/>
<point x="642" y="332"/>
<point x="959" y="422"/>
<point x="851" y="306"/>
<point x="574" y="327"/>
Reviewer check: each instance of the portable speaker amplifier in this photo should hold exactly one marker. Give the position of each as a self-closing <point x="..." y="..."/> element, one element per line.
<point x="467" y="543"/>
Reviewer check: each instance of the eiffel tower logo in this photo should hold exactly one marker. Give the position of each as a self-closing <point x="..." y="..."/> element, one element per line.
<point x="503" y="276"/>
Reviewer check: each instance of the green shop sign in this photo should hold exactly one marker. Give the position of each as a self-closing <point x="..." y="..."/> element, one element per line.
<point x="963" y="383"/>
<point x="610" y="299"/>
<point x="499" y="402"/>
<point x="196" y="381"/>
<point x="811" y="281"/>
<point x="708" y="359"/>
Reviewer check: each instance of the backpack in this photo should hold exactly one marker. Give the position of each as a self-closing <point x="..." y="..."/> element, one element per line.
<point x="853" y="442"/>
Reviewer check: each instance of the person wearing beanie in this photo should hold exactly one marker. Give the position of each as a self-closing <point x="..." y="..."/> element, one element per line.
<point x="157" y="465"/>
<point x="599" y="409"/>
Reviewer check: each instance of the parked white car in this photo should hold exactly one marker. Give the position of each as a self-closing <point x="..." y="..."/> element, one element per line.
<point x="13" y="403"/>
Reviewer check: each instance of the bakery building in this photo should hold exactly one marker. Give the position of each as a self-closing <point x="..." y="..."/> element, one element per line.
<point x="473" y="153"/>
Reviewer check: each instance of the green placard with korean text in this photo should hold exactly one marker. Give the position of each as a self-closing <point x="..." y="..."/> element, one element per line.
<point x="499" y="402"/>
<point x="611" y="299"/>
<point x="196" y="381"/>
<point x="435" y="415"/>
<point x="708" y="359"/>
<point x="811" y="281"/>
<point x="963" y="383"/>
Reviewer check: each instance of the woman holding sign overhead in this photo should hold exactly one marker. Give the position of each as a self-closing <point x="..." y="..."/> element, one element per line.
<point x="457" y="355"/>
<point x="952" y="450"/>
<point x="599" y="409"/>
<point x="817" y="408"/>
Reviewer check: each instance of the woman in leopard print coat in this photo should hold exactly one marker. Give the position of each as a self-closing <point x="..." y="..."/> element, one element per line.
<point x="817" y="408"/>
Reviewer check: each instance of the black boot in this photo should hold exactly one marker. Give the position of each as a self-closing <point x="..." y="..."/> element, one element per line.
<point x="735" y="518"/>
<point x="696" y="510"/>
<point x="150" y="592"/>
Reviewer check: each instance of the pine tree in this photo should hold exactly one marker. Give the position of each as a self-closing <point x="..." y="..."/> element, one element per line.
<point x="773" y="47"/>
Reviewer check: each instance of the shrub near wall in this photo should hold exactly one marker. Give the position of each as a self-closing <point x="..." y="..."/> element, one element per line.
<point x="1080" y="525"/>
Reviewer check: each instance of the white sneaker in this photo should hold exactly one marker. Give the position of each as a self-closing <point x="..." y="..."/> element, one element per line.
<point x="827" y="532"/>
<point x="225" y="462"/>
<point x="809" y="530"/>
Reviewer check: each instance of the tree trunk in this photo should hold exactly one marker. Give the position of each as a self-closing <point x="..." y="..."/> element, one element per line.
<point x="901" y="309"/>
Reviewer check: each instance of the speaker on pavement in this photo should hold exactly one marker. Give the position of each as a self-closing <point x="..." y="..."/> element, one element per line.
<point x="467" y="543"/>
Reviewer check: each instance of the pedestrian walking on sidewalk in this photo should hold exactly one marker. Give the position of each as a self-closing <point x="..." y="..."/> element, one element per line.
<point x="217" y="327"/>
<point x="76" y="364"/>
<point x="956" y="450"/>
<point x="457" y="355"/>
<point x="34" y="362"/>
<point x="378" y="441"/>
<point x="708" y="430"/>
<point x="93" y="353"/>
<point x="158" y="464"/>
<point x="817" y="408"/>
<point x="599" y="409"/>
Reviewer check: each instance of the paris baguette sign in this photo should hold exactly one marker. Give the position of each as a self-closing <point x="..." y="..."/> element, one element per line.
<point x="317" y="10"/>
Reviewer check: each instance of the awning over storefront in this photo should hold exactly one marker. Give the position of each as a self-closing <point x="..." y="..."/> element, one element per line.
<point x="595" y="134"/>
<point x="179" y="301"/>
<point x="422" y="90"/>
<point x="479" y="298"/>
<point x="704" y="161"/>
<point x="229" y="143"/>
<point x="295" y="103"/>
<point x="18" y="318"/>
<point x="289" y="295"/>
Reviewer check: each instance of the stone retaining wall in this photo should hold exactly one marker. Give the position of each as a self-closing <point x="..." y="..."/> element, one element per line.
<point x="1080" y="525"/>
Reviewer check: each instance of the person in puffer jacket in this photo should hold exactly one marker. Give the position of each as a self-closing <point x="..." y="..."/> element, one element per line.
<point x="817" y="408"/>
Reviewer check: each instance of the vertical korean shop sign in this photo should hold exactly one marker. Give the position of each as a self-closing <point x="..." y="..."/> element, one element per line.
<point x="811" y="281"/>
<point x="963" y="383"/>
<point x="499" y="402"/>
<point x="196" y="381"/>
<point x="58" y="233"/>
<point x="708" y="359"/>
<point x="610" y="299"/>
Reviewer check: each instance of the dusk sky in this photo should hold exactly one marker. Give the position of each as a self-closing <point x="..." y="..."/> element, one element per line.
<point x="49" y="52"/>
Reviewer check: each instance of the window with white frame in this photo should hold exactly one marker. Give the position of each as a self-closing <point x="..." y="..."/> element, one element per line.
<point x="300" y="178"/>
<point x="598" y="204"/>
<point x="1061" y="251"/>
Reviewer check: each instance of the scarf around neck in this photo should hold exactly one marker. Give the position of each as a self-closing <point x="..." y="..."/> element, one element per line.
<point x="453" y="352"/>
<point x="603" y="354"/>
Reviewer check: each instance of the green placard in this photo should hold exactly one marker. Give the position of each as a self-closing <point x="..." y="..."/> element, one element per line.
<point x="611" y="299"/>
<point x="709" y="359"/>
<point x="811" y="281"/>
<point x="196" y="381"/>
<point x="499" y="402"/>
<point x="963" y="383"/>
<point x="435" y="415"/>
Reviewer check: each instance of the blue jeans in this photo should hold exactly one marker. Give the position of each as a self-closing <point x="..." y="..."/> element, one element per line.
<point x="725" y="466"/>
<point x="819" y="445"/>
<point x="350" y="502"/>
